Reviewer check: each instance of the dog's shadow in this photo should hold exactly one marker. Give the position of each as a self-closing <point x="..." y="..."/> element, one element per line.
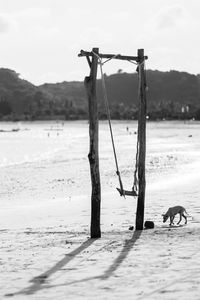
<point x="173" y="226"/>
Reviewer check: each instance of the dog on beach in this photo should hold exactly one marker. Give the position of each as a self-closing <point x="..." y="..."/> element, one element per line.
<point x="172" y="211"/>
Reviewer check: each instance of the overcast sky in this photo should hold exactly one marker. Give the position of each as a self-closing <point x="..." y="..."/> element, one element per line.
<point x="40" y="39"/>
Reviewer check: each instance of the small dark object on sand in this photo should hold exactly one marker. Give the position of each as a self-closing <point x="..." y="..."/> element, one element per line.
<point x="149" y="225"/>
<point x="131" y="228"/>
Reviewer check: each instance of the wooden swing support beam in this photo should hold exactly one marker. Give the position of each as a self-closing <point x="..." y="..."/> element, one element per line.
<point x="93" y="156"/>
<point x="112" y="56"/>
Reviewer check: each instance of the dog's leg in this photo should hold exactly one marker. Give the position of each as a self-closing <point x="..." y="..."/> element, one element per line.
<point x="185" y="218"/>
<point x="180" y="219"/>
<point x="171" y="220"/>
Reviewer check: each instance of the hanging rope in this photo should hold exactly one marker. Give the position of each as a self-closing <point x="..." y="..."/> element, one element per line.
<point x="114" y="56"/>
<point x="135" y="182"/>
<point x="109" y="122"/>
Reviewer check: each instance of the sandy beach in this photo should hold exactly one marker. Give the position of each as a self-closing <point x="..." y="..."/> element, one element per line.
<point x="45" y="190"/>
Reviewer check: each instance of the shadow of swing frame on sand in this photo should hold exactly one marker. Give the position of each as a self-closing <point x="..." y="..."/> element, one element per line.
<point x="39" y="282"/>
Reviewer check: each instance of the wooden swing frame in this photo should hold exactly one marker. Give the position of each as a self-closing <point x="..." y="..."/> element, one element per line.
<point x="93" y="156"/>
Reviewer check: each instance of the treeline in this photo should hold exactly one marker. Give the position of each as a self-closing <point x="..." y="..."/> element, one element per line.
<point x="170" y="95"/>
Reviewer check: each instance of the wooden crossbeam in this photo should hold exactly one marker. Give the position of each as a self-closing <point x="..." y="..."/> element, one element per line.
<point x="114" y="56"/>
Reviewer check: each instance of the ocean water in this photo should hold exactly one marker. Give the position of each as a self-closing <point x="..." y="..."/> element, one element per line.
<point x="34" y="141"/>
<point x="171" y="146"/>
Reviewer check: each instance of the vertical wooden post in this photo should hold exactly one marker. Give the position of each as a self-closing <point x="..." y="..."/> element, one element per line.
<point x="93" y="156"/>
<point x="142" y="142"/>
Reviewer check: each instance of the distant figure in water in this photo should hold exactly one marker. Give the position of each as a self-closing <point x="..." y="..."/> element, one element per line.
<point x="48" y="134"/>
<point x="127" y="129"/>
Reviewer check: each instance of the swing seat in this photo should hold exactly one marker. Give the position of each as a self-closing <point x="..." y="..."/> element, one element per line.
<point x="127" y="193"/>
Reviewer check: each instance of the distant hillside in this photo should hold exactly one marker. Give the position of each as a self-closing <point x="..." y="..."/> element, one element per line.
<point x="15" y="91"/>
<point x="73" y="91"/>
<point x="173" y="86"/>
<point x="170" y="95"/>
<point x="18" y="98"/>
